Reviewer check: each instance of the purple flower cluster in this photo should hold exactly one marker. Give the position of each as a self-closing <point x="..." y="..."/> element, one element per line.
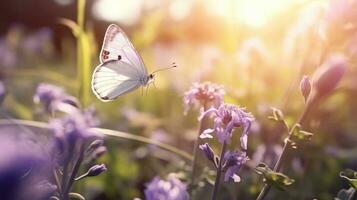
<point x="226" y="118"/>
<point x="52" y="96"/>
<point x="204" y="94"/>
<point x="231" y="164"/>
<point x="170" y="189"/>
<point x="24" y="170"/>
<point x="75" y="142"/>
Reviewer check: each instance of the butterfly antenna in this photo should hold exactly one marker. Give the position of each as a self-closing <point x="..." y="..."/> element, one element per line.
<point x="173" y="65"/>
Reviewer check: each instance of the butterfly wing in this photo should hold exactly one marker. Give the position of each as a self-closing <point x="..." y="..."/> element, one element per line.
<point x="114" y="78"/>
<point x="116" y="46"/>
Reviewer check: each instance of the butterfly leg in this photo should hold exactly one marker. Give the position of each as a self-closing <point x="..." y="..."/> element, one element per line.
<point x="142" y="91"/>
<point x="147" y="89"/>
<point x="154" y="84"/>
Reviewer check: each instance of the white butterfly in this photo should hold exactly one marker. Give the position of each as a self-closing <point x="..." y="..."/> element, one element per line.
<point x="121" y="70"/>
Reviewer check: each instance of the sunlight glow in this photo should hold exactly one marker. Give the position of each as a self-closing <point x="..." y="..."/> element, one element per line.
<point x="125" y="12"/>
<point x="251" y="12"/>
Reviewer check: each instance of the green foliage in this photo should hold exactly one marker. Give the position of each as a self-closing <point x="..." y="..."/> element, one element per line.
<point x="299" y="136"/>
<point x="351" y="176"/>
<point x="276" y="179"/>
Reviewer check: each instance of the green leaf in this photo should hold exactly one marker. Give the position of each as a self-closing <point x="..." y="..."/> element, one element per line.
<point x="299" y="136"/>
<point x="277" y="115"/>
<point x="351" y="176"/>
<point x="346" y="194"/>
<point x="73" y="195"/>
<point x="275" y="179"/>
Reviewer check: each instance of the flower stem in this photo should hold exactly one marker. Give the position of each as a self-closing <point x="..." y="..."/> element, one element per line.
<point x="285" y="150"/>
<point x="195" y="152"/>
<point x="75" y="169"/>
<point x="219" y="173"/>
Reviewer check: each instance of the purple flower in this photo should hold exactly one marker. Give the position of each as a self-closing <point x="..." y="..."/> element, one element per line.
<point x="50" y="96"/>
<point x="2" y="92"/>
<point x="96" y="170"/>
<point x="71" y="132"/>
<point x="207" y="150"/>
<point x="204" y="94"/>
<point x="305" y="87"/>
<point x="228" y="117"/>
<point x="170" y="189"/>
<point x="24" y="170"/>
<point x="8" y="57"/>
<point x="327" y="77"/>
<point x="38" y="42"/>
<point x="233" y="161"/>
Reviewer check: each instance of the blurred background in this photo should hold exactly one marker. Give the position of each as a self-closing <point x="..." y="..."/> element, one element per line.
<point x="257" y="49"/>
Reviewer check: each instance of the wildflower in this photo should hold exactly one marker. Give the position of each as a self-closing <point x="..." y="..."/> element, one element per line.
<point x="233" y="161"/>
<point x="50" y="95"/>
<point x="75" y="143"/>
<point x="2" y="92"/>
<point x="170" y="189"/>
<point x="227" y="118"/>
<point x="8" y="56"/>
<point x="69" y="131"/>
<point x="305" y="87"/>
<point x="38" y="43"/>
<point x="24" y="170"/>
<point x="327" y="77"/>
<point x="207" y="150"/>
<point x="204" y="94"/>
<point x="93" y="171"/>
<point x="96" y="170"/>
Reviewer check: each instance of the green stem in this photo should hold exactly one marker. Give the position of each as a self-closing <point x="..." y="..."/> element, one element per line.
<point x="107" y="132"/>
<point x="196" y="150"/>
<point x="219" y="173"/>
<point x="75" y="168"/>
<point x="278" y="165"/>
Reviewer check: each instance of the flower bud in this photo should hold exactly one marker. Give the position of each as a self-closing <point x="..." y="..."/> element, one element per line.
<point x="305" y="87"/>
<point x="96" y="170"/>
<point x="207" y="150"/>
<point x="328" y="76"/>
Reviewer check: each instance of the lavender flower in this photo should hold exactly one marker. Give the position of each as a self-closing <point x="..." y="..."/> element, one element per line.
<point x="38" y="43"/>
<point x="75" y="142"/>
<point x="8" y="57"/>
<point x="170" y="189"/>
<point x="203" y="94"/>
<point x="227" y="118"/>
<point x="327" y="77"/>
<point x="233" y="161"/>
<point x="305" y="87"/>
<point x="2" y="92"/>
<point x="207" y="150"/>
<point x="96" y="170"/>
<point x="50" y="96"/>
<point x="69" y="131"/>
<point x="24" y="171"/>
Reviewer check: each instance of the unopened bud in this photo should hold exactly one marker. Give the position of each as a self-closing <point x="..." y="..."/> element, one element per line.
<point x="96" y="170"/>
<point x="207" y="150"/>
<point x="329" y="74"/>
<point x="305" y="87"/>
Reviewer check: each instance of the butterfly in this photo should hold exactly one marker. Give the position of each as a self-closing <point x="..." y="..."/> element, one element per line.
<point x="121" y="69"/>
